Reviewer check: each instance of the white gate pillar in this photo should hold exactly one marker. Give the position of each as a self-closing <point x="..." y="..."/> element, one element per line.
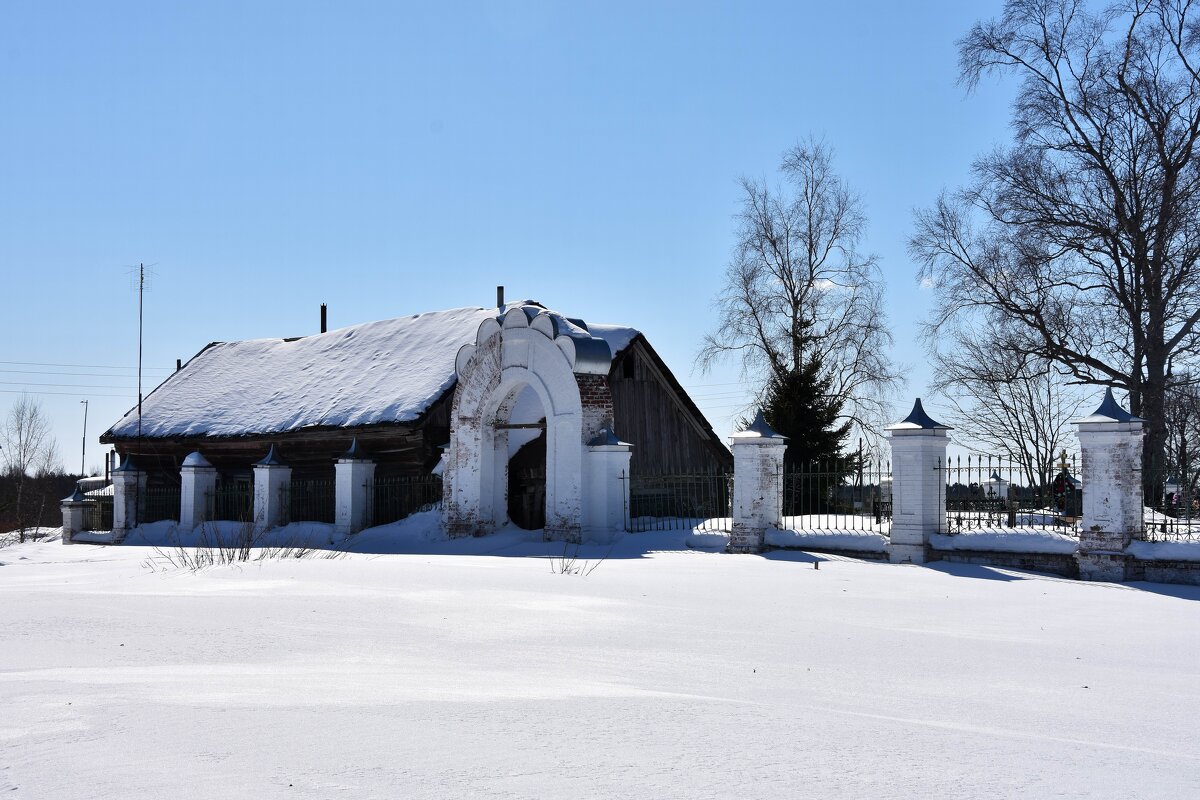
<point x="918" y="504"/>
<point x="757" y="485"/>
<point x="129" y="489"/>
<point x="271" y="479"/>
<point x="1111" y="444"/>
<point x="72" y="511"/>
<point x="606" y="489"/>
<point x="354" y="484"/>
<point x="198" y="480"/>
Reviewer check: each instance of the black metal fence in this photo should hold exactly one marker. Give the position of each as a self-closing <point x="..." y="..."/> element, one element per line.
<point x="1170" y="496"/>
<point x="98" y="514"/>
<point x="230" y="500"/>
<point x="1175" y="519"/>
<point x="308" y="501"/>
<point x="839" y="494"/>
<point x="398" y="496"/>
<point x="159" y="503"/>
<point x="665" y="502"/>
<point x="993" y="492"/>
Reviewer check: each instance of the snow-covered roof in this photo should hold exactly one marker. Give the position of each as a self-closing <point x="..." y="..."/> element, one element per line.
<point x="390" y="371"/>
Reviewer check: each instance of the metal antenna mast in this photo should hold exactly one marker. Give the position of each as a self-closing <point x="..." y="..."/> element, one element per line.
<point x="83" y="457"/>
<point x="141" y="275"/>
<point x="141" y="291"/>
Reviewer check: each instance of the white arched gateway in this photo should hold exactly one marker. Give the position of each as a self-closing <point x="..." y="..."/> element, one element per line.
<point x="531" y="431"/>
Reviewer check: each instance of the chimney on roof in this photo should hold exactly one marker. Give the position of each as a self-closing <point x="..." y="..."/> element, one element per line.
<point x="324" y="327"/>
<point x="178" y="364"/>
<point x="500" y="297"/>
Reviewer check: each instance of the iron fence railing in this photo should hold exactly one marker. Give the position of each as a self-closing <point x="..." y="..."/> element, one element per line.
<point x="230" y="500"/>
<point x="159" y="503"/>
<point x="397" y="496"/>
<point x="308" y="500"/>
<point x="1170" y="499"/>
<point x="98" y="514"/>
<point x="984" y="492"/>
<point x="839" y="494"/>
<point x="1176" y="520"/>
<point x="664" y="502"/>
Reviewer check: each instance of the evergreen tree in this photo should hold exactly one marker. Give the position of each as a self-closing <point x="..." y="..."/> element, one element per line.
<point x="800" y="405"/>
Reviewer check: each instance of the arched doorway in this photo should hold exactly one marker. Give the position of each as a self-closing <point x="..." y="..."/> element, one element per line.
<point x="520" y="382"/>
<point x="526" y="484"/>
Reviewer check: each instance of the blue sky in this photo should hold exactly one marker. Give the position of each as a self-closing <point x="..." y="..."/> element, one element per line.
<point x="390" y="158"/>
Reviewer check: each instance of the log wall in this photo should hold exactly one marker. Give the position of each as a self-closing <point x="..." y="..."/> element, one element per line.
<point x="652" y="412"/>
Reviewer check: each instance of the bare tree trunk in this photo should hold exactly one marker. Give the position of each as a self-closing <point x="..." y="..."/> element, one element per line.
<point x="20" y="510"/>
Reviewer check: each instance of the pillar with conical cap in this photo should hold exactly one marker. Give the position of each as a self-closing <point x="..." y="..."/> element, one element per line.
<point x="73" y="517"/>
<point x="272" y="479"/>
<point x="354" y="482"/>
<point x="197" y="482"/>
<point x="918" y="507"/>
<point x="757" y="485"/>
<point x="1110" y="441"/>
<point x="129" y="489"/>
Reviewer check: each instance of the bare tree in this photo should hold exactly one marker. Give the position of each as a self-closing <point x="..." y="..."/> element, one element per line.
<point x="1081" y="240"/>
<point x="797" y="285"/>
<point x="1005" y="401"/>
<point x="29" y="450"/>
<point x="1183" y="435"/>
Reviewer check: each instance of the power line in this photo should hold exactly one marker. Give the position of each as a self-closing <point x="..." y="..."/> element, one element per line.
<point x="72" y="385"/>
<point x="60" y="372"/>
<point x="82" y="366"/>
<point x="68" y="394"/>
<point x="719" y="395"/>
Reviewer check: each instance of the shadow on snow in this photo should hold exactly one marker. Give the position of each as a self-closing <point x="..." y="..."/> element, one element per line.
<point x="421" y="534"/>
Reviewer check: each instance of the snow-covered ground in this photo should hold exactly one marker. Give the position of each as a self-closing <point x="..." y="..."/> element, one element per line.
<point x="831" y="532"/>
<point x="426" y="668"/>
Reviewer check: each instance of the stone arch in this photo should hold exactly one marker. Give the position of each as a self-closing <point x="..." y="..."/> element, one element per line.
<point x="527" y="347"/>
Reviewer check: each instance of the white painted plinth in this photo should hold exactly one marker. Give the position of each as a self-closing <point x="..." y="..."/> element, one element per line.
<point x="918" y="505"/>
<point x="198" y="480"/>
<point x="72" y="511"/>
<point x="354" y="483"/>
<point x="1112" y="497"/>
<point x="757" y="486"/>
<point x="129" y="487"/>
<point x="269" y="481"/>
<point x="606" y="490"/>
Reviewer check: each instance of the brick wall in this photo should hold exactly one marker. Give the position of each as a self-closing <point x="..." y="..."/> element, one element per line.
<point x="597" y="402"/>
<point x="1055" y="563"/>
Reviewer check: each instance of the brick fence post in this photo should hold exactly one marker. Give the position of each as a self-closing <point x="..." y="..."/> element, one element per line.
<point x="606" y="486"/>
<point x="354" y="486"/>
<point x="270" y="477"/>
<point x="129" y="489"/>
<point x="197" y="480"/>
<point x="757" y="485"/>
<point x="72" y="511"/>
<point x="1111" y="444"/>
<point x="918" y="505"/>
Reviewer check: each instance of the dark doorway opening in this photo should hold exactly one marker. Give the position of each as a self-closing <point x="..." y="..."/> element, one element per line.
<point x="527" y="485"/>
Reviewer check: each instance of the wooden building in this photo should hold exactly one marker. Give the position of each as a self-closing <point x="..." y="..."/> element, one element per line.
<point x="390" y="385"/>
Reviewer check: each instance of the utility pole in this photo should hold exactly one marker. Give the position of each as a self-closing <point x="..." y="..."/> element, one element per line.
<point x="141" y="291"/>
<point x="83" y="457"/>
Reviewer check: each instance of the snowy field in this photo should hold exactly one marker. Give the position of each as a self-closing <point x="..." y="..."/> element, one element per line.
<point x="475" y="669"/>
